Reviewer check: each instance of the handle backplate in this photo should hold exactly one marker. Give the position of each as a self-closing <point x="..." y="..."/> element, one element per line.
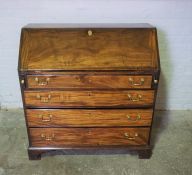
<point x="132" y="83"/>
<point x="42" y="81"/>
<point x="138" y="97"/>
<point x="45" y="118"/>
<point x="138" y="117"/>
<point x="44" y="99"/>
<point x="47" y="137"/>
<point x="129" y="137"/>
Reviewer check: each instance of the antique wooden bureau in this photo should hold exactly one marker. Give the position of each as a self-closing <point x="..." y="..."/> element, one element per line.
<point x="89" y="86"/>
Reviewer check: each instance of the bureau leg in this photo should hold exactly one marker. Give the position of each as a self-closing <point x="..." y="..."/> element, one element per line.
<point x="34" y="155"/>
<point x="145" y="154"/>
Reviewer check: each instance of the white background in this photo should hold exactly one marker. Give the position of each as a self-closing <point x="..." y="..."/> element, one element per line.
<point x="172" y="18"/>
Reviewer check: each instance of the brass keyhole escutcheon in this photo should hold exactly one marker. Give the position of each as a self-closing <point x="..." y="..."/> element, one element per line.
<point x="90" y="32"/>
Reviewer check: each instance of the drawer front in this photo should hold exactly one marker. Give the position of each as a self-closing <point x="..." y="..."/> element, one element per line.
<point x="42" y="137"/>
<point x="88" y="118"/>
<point x="89" y="98"/>
<point x="89" y="81"/>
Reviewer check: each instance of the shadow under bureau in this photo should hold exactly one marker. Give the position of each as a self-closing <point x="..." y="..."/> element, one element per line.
<point x="89" y="86"/>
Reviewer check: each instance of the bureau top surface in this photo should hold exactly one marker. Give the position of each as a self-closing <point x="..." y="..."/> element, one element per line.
<point x="95" y="47"/>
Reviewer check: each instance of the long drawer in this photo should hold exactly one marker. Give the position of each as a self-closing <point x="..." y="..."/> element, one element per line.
<point x="88" y="118"/>
<point x="89" y="98"/>
<point x="86" y="81"/>
<point x="58" y="137"/>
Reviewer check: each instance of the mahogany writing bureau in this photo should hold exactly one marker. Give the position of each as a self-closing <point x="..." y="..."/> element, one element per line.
<point x="89" y="86"/>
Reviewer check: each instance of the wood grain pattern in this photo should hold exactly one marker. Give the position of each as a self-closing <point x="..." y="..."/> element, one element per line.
<point x="74" y="49"/>
<point x="88" y="98"/>
<point x="89" y="81"/>
<point x="76" y="88"/>
<point x="88" y="118"/>
<point x="88" y="136"/>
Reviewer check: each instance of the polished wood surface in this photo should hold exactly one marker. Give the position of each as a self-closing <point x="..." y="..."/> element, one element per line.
<point x="89" y="98"/>
<point x="88" y="118"/>
<point x="89" y="81"/>
<point x="42" y="137"/>
<point x="89" y="86"/>
<point x="76" y="49"/>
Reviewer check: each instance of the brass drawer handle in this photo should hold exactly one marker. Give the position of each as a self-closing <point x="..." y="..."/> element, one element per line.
<point x="129" y="137"/>
<point x="47" y="137"/>
<point x="42" y="82"/>
<point x="131" y="81"/>
<point x="90" y="33"/>
<point x="44" y="99"/>
<point x="45" y="119"/>
<point x="132" y="119"/>
<point x="135" y="99"/>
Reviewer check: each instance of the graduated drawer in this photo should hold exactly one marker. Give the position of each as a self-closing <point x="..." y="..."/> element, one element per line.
<point x="89" y="81"/>
<point x="88" y="118"/>
<point x="89" y="98"/>
<point x="58" y="137"/>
